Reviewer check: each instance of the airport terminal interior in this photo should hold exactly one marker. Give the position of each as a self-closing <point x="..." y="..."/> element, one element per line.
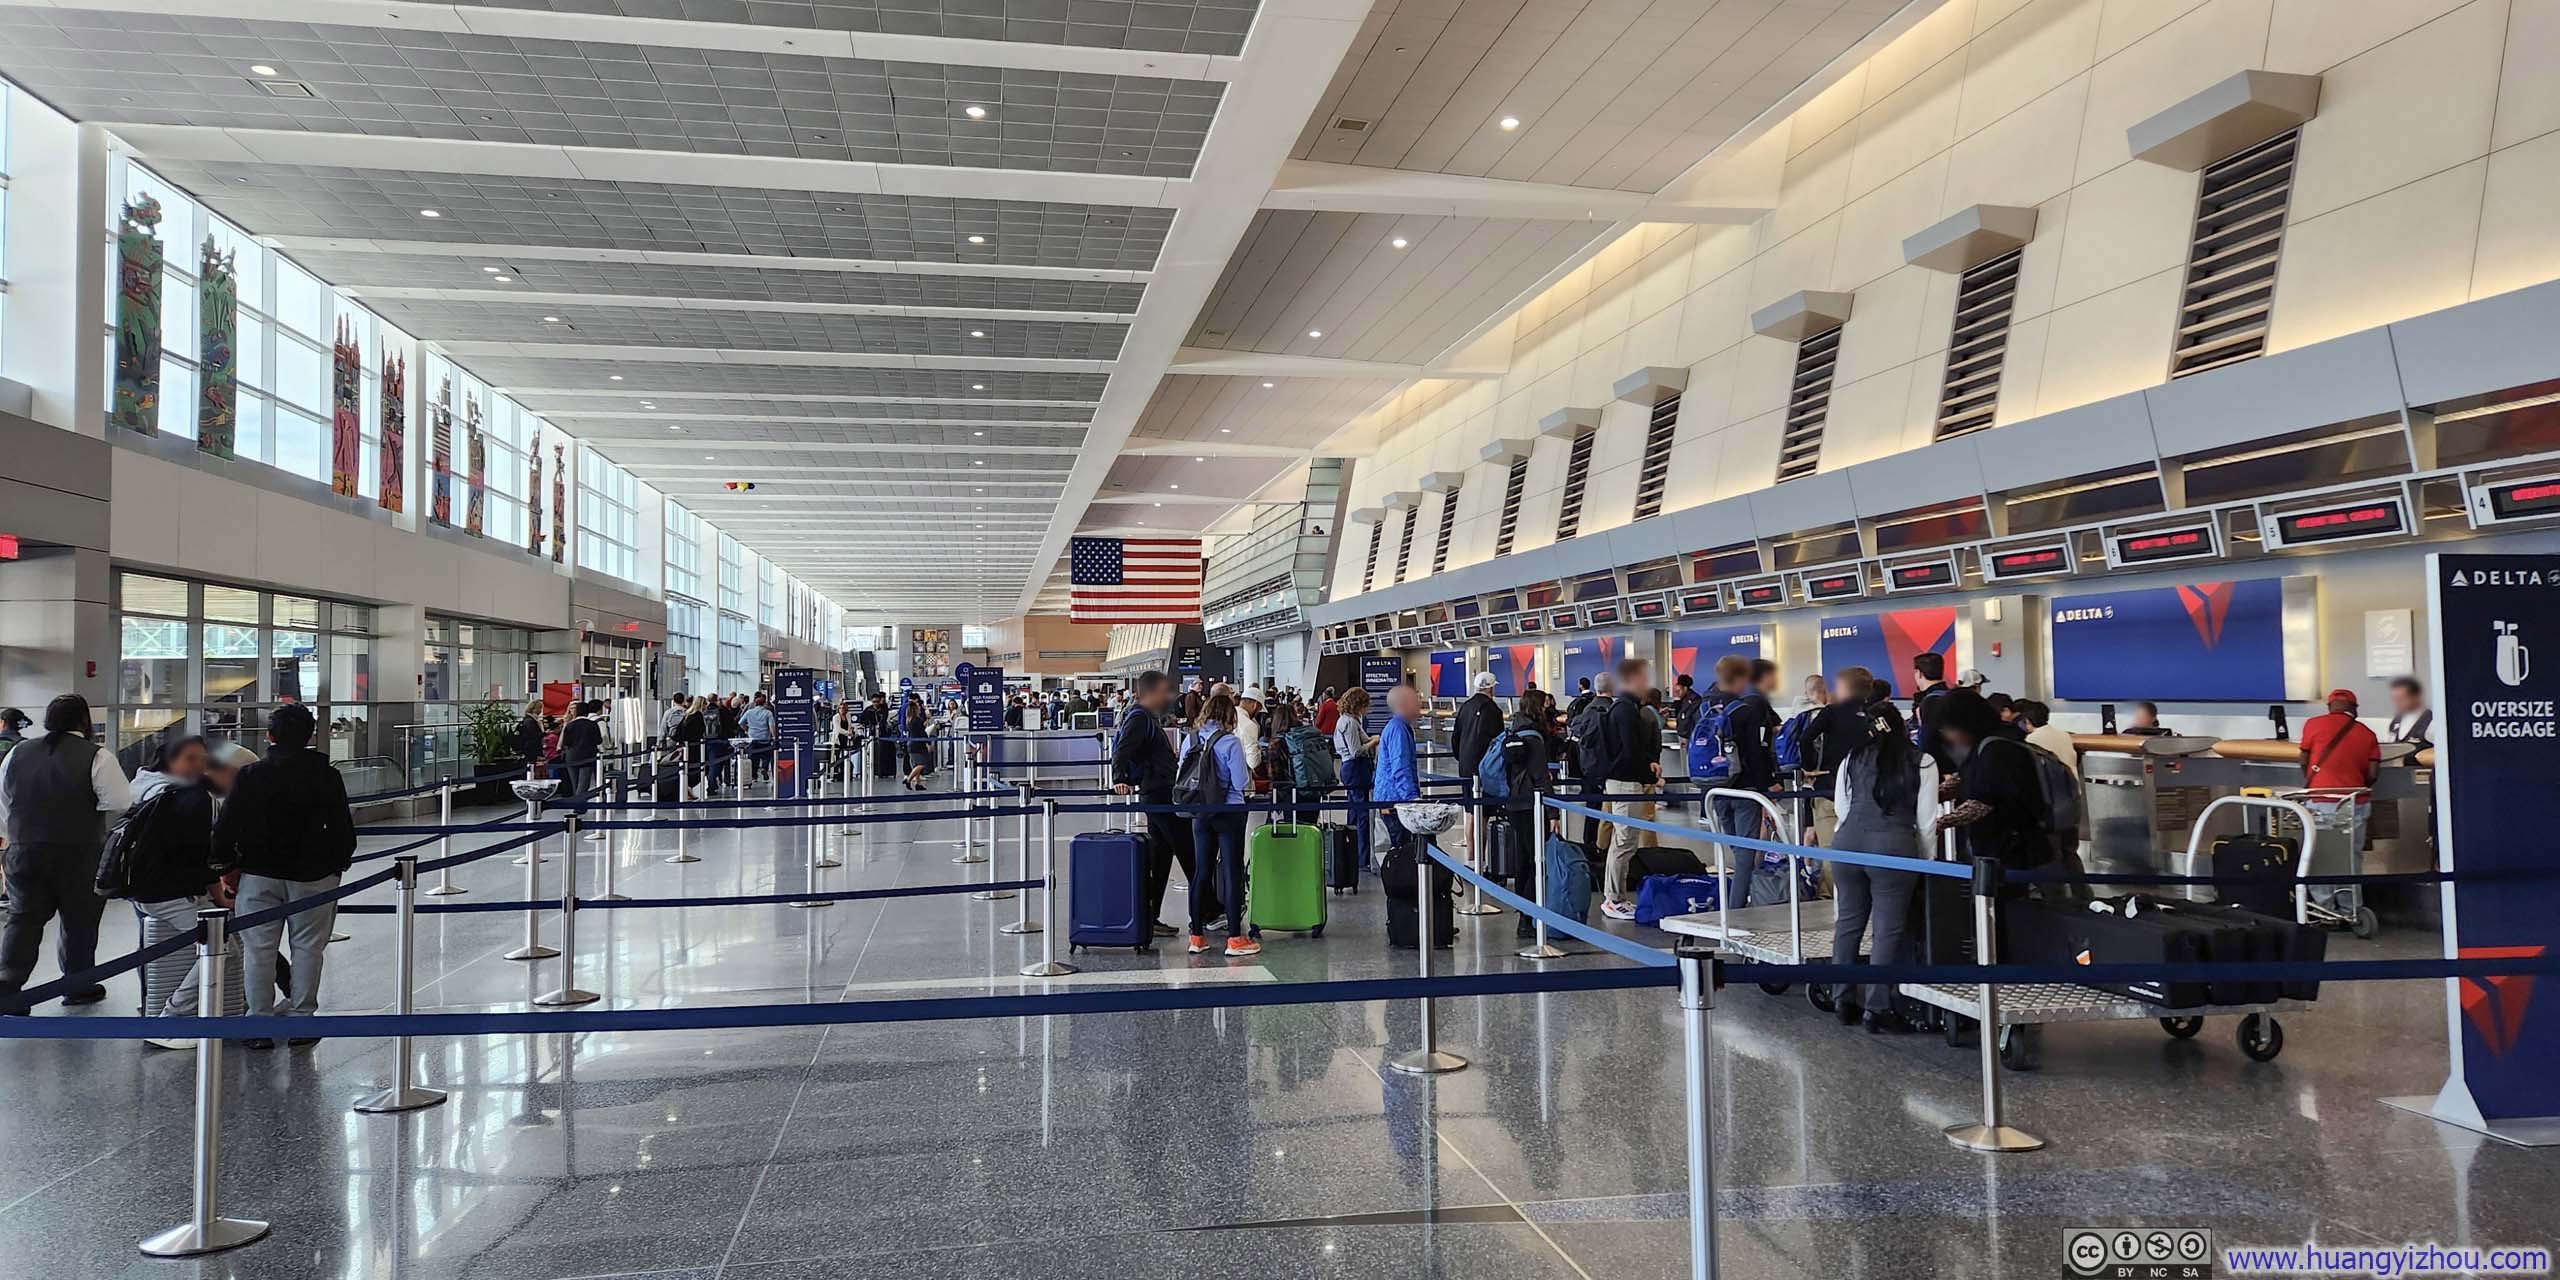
<point x="1541" y="639"/>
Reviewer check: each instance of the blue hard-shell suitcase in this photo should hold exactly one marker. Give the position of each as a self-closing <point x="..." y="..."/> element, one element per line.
<point x="1106" y="879"/>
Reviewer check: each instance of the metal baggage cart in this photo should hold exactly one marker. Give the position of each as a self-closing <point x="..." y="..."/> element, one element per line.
<point x="2341" y="815"/>
<point x="1771" y="934"/>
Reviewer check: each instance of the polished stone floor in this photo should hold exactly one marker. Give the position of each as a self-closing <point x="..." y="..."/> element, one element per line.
<point x="1263" y="1141"/>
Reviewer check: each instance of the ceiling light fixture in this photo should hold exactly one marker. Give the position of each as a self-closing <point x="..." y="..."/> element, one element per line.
<point x="977" y="239"/>
<point x="1199" y="459"/>
<point x="504" y="279"/>
<point x="429" y="213"/>
<point x="977" y="433"/>
<point x="613" y="377"/>
<point x="977" y="462"/>
<point x="977" y="333"/>
<point x="556" y="320"/>
<point x="262" y="69"/>
<point x="1399" y="242"/>
<point x="1315" y="333"/>
<point x="974" y="113"/>
<point x="491" y="270"/>
<point x="1269" y="385"/>
<point x="1510" y="123"/>
<point x="1226" y="431"/>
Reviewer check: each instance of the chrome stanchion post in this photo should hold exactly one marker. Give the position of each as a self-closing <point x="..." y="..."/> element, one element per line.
<point x="445" y="887"/>
<point x="403" y="1095"/>
<point x="1022" y="921"/>
<point x="1048" y="966"/>
<point x="1539" y="950"/>
<point x="685" y="768"/>
<point x="1476" y="829"/>
<point x="1427" y="1060"/>
<point x="612" y="858"/>
<point x="1697" y="958"/>
<point x="1993" y="1133"/>
<point x="534" y="791"/>
<point x="968" y="771"/>
<point x="206" y="1230"/>
<point x="995" y="847"/>
<point x="568" y="993"/>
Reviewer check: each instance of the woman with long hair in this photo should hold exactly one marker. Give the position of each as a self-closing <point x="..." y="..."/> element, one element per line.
<point x="1882" y="792"/>
<point x="1355" y="763"/>
<point x="915" y="726"/>
<point x="1218" y="837"/>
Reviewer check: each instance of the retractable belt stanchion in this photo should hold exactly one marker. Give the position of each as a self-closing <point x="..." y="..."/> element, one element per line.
<point x="1022" y="921"/>
<point x="1992" y="1133"/>
<point x="403" y="1095"/>
<point x="534" y="791"/>
<point x="968" y="771"/>
<point x="1477" y="828"/>
<point x="206" y="1230"/>
<point x="1697" y="959"/>
<point x="1427" y="1060"/>
<point x="445" y="887"/>
<point x="816" y="780"/>
<point x="568" y="994"/>
<point x="608" y="854"/>
<point x="687" y="765"/>
<point x="1539" y="950"/>
<point x="995" y="848"/>
<point x="1048" y="965"/>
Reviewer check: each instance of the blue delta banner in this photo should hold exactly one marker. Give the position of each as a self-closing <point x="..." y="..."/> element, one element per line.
<point x="1448" y="673"/>
<point x="1379" y="673"/>
<point x="2207" y="642"/>
<point x="795" y="726"/>
<point x="2497" y="785"/>
<point x="1694" y="653"/>
<point x="1514" y="667"/>
<point x="1589" y="658"/>
<point x="1885" y="643"/>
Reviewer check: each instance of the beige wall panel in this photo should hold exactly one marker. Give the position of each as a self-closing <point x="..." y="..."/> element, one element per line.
<point x="2163" y="68"/>
<point x="2108" y="345"/>
<point x="2519" y="238"/>
<point x="2128" y="223"/>
<point x="2331" y="281"/>
<point x="2418" y="105"/>
<point x="2029" y="52"/>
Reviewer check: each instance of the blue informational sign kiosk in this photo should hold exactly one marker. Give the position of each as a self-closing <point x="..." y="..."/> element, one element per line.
<point x="2497" y="785"/>
<point x="984" y="689"/>
<point x="795" y="727"/>
<point x="1379" y="673"/>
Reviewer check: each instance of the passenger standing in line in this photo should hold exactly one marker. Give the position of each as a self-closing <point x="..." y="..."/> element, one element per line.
<point x="1684" y="705"/>
<point x="1879" y="789"/>
<point x="57" y="795"/>
<point x="1219" y="836"/>
<point x="1753" y="724"/>
<point x="1998" y="793"/>
<point x="1328" y="710"/>
<point x="13" y="729"/>
<point x="529" y="740"/>
<point x="2411" y="721"/>
<point x="1581" y="698"/>
<point x="171" y="874"/>
<point x="289" y="830"/>
<point x="1634" y="771"/>
<point x="1527" y="743"/>
<point x="1356" y="764"/>
<point x="1290" y="741"/>
<point x="672" y="716"/>
<point x="1142" y="763"/>
<point x="1929" y="670"/>
<point x="1398" y="777"/>
<point x="757" y="721"/>
<point x="917" y="728"/>
<point x="878" y="726"/>
<point x="2337" y="749"/>
<point x="2037" y="719"/>
<point x="691" y="733"/>
<point x="1472" y="733"/>
<point x="1587" y="730"/>
<point x="581" y="748"/>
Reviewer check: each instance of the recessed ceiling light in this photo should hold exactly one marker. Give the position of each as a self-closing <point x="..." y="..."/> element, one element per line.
<point x="262" y="69"/>
<point x="977" y="462"/>
<point x="1315" y="333"/>
<point x="977" y="333"/>
<point x="674" y="427"/>
<point x="1398" y="242"/>
<point x="977" y="433"/>
<point x="977" y="386"/>
<point x="1226" y="431"/>
<point x="977" y="239"/>
<point x="429" y="213"/>
<point x="974" y="113"/>
<point x="1199" y="459"/>
<point x="556" y="320"/>
<point x="1159" y="504"/>
<point x="613" y="377"/>
<point x="1177" y="486"/>
<point x="504" y="279"/>
<point x="1510" y="122"/>
<point x="491" y="270"/>
<point x="1269" y="385"/>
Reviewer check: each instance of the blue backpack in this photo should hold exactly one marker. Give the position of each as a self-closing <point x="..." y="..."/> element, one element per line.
<point x="1568" y="880"/>
<point x="1711" y="742"/>
<point x="1661" y="896"/>
<point x="1493" y="772"/>
<point x="1792" y="736"/>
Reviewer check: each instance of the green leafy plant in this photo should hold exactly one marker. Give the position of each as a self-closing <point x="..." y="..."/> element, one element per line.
<point x="488" y="730"/>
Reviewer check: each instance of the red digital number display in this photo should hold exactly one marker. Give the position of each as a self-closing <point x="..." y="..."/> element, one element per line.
<point x="2165" y="544"/>
<point x="2524" y="498"/>
<point x="1761" y="594"/>
<point x="2029" y="561"/>
<point x="2364" y="519"/>
<point x="1701" y="602"/>
<point x="1934" y="573"/>
<point x="1834" y="586"/>
<point x="1653" y="609"/>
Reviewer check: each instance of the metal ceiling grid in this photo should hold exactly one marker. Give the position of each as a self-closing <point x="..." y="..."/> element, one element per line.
<point x="567" y="410"/>
<point x="375" y="204"/>
<point x="357" y="270"/>
<point x="752" y="330"/>
<point x="783" y="380"/>
<point x="1170" y="26"/>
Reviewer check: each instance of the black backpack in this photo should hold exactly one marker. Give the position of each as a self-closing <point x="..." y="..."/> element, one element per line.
<point x="1198" y="781"/>
<point x="133" y="843"/>
<point x="1589" y="729"/>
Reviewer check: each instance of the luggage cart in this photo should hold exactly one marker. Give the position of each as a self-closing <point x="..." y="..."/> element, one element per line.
<point x="1766" y="934"/>
<point x="2028" y="1005"/>
<point x="2341" y="814"/>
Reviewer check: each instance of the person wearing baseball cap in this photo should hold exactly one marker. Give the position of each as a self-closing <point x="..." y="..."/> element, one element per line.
<point x="2337" y="749"/>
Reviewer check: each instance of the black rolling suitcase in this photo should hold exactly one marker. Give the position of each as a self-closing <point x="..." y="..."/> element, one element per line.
<point x="2102" y="932"/>
<point x="1403" y="877"/>
<point x="1505" y="855"/>
<point x="2275" y="938"/>
<point x="1341" y="858"/>
<point x="2265" y="859"/>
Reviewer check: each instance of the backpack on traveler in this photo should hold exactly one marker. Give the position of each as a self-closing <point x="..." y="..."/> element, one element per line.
<point x="1589" y="730"/>
<point x="1198" y="780"/>
<point x="1310" y="754"/>
<point x="1711" y="742"/>
<point x="1793" y="737"/>
<point x="1499" y="774"/>
<point x="134" y="844"/>
<point x="2059" y="793"/>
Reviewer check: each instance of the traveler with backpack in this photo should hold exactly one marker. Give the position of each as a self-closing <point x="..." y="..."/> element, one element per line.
<point x="1478" y="723"/>
<point x="1514" y="772"/>
<point x="1999" y="794"/>
<point x="1586" y="729"/>
<point x="1751" y="727"/>
<point x="1300" y="761"/>
<point x="1930" y="671"/>
<point x="161" y="858"/>
<point x="1632" y="769"/>
<point x="57" y="793"/>
<point x="1355" y="767"/>
<point x="287" y="827"/>
<point x="1882" y="788"/>
<point x="1212" y="772"/>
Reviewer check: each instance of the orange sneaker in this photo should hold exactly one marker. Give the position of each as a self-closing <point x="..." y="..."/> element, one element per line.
<point x="1242" y="947"/>
<point x="1198" y="944"/>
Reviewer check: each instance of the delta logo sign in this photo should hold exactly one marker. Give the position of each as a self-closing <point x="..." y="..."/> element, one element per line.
<point x="1885" y="643"/>
<point x="2495" y="1005"/>
<point x="1514" y="667"/>
<point x="2205" y="641"/>
<point x="1449" y="673"/>
<point x="1694" y="652"/>
<point x="1590" y="656"/>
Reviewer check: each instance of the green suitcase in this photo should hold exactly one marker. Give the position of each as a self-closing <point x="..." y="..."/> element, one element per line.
<point x="1284" y="881"/>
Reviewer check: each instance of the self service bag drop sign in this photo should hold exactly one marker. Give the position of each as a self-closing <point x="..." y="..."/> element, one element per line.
<point x="2497" y="787"/>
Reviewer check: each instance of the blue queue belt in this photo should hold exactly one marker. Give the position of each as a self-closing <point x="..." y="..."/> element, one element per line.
<point x="716" y="900"/>
<point x="1923" y="866"/>
<point x="1613" y="944"/>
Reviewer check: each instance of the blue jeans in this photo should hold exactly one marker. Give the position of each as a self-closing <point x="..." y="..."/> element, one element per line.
<point x="1357" y="802"/>
<point x="1217" y="841"/>
<point x="1741" y="818"/>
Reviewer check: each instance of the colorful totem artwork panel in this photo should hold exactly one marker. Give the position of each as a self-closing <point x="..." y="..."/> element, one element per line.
<point x="533" y="497"/>
<point x="395" y="430"/>
<point x="559" y="503"/>
<point x="476" y="492"/>
<point x="139" y="258"/>
<point x="440" y="455"/>
<point x="217" y="354"/>
<point x="346" y="415"/>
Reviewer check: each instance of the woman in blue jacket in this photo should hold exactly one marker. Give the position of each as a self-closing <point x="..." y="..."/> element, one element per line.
<point x="1215" y="835"/>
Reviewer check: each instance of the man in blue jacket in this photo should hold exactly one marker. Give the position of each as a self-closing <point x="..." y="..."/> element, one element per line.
<point x="1398" y="779"/>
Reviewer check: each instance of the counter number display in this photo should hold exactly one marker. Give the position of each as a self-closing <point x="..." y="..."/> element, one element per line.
<point x="2508" y="500"/>
<point x="1561" y="620"/>
<point x="1921" y="575"/>
<point x="1698" y="600"/>
<point x="1607" y="613"/>
<point x="1649" y="608"/>
<point x="1761" y="593"/>
<point x="2198" y="541"/>
<point x="1835" y="584"/>
<point x="2039" y="561"/>
<point x="2346" y="522"/>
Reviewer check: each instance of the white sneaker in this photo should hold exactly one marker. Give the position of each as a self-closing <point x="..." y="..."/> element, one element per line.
<point x="170" y="1044"/>
<point x="1617" y="911"/>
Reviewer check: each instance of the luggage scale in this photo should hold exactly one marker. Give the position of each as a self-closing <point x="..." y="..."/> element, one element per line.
<point x="2031" y="1004"/>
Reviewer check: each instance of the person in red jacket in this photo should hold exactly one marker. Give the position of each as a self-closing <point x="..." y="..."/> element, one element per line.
<point x="2337" y="749"/>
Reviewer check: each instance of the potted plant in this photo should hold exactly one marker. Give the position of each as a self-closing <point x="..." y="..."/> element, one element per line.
<point x="488" y="740"/>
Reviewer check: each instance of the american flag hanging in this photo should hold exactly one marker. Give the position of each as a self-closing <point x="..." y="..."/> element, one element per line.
<point x="1134" y="579"/>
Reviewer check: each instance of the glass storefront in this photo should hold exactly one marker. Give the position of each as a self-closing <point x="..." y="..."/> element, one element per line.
<point x="204" y="657"/>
